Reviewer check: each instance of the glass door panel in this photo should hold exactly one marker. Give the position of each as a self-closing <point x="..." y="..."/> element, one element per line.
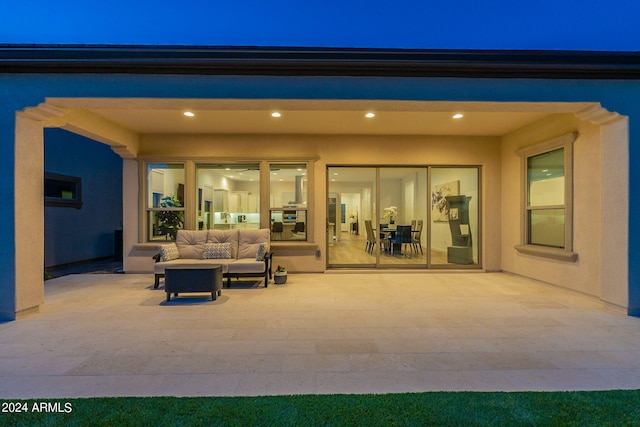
<point x="453" y="228"/>
<point x="403" y="217"/>
<point x="351" y="212"/>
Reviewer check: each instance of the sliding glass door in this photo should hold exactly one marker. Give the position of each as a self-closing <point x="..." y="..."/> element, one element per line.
<point x="403" y="217"/>
<point x="454" y="233"/>
<point x="351" y="213"/>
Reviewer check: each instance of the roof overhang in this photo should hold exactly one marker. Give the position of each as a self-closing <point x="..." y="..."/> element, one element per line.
<point x="299" y="61"/>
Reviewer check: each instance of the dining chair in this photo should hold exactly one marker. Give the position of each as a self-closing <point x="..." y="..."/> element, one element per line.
<point x="401" y="237"/>
<point x="416" y="237"/>
<point x="277" y="228"/>
<point x="371" y="237"/>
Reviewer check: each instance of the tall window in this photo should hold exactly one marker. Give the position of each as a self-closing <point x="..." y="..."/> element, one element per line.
<point x="548" y="208"/>
<point x="165" y="200"/>
<point x="288" y="188"/>
<point x="546" y="199"/>
<point x="228" y="196"/>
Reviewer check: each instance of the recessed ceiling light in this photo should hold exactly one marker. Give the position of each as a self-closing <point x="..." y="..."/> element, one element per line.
<point x="370" y="115"/>
<point x="276" y="114"/>
<point x="188" y="114"/>
<point x="458" y="116"/>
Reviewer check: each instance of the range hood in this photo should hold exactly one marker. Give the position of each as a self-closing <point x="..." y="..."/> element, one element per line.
<point x="299" y="199"/>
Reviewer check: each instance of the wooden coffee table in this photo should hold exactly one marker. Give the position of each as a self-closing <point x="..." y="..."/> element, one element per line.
<point x="181" y="278"/>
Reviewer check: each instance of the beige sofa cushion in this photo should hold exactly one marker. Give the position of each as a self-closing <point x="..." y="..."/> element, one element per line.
<point x="191" y="243"/>
<point x="246" y="265"/>
<point x="250" y="240"/>
<point x="159" y="267"/>
<point x="225" y="236"/>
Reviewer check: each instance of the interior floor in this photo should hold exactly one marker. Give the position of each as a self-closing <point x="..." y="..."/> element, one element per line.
<point x="351" y="248"/>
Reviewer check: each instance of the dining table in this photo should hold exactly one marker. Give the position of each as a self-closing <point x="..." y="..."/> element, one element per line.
<point x="392" y="233"/>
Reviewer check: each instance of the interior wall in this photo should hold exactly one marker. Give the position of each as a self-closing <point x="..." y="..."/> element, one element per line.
<point x="584" y="274"/>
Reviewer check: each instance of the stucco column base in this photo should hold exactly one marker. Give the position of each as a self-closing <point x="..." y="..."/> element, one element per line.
<point x="5" y="316"/>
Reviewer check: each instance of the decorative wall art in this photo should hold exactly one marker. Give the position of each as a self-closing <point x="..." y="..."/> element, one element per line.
<point x="439" y="205"/>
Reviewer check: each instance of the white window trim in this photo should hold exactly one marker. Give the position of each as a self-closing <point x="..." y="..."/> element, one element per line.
<point x="560" y="254"/>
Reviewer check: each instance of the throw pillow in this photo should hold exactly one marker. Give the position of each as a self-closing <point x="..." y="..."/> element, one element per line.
<point x="169" y="252"/>
<point x="217" y="250"/>
<point x="262" y="250"/>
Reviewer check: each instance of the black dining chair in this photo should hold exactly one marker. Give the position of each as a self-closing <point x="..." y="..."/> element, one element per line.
<point x="401" y="237"/>
<point x="277" y="228"/>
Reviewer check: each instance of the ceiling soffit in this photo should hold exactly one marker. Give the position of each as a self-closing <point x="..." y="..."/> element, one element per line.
<point x="237" y="116"/>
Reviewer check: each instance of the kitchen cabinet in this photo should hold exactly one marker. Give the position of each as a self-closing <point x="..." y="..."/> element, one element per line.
<point x="220" y="200"/>
<point x="253" y="203"/>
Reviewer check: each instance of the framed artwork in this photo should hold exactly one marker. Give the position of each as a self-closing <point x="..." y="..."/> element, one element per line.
<point x="439" y="205"/>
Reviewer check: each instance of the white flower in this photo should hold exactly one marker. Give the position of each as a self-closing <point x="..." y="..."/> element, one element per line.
<point x="390" y="212"/>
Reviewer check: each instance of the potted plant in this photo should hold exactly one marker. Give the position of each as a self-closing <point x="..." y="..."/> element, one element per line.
<point x="280" y="275"/>
<point x="170" y="221"/>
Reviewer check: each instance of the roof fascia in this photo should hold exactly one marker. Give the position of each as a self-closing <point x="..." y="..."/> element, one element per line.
<point x="299" y="61"/>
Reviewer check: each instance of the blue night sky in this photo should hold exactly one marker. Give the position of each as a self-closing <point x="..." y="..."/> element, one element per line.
<point x="463" y="24"/>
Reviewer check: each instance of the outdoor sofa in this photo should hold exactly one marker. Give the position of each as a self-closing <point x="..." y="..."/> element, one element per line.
<point x="241" y="252"/>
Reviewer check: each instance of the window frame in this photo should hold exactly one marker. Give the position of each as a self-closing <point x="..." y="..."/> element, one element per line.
<point x="560" y="254"/>
<point x="59" y="202"/>
<point x="145" y="198"/>
<point x="306" y="208"/>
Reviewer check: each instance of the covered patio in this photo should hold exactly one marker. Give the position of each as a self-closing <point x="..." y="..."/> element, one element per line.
<point x="114" y="335"/>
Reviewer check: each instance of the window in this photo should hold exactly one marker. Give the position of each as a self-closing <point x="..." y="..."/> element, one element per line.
<point x="228" y="196"/>
<point x="548" y="195"/>
<point x="288" y="188"/>
<point x="165" y="200"/>
<point x="62" y="191"/>
<point x="545" y="199"/>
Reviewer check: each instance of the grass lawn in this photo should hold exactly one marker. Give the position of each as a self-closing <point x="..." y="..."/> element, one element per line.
<point x="601" y="408"/>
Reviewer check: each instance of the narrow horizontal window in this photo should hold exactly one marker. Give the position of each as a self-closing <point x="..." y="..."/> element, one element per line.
<point x="62" y="191"/>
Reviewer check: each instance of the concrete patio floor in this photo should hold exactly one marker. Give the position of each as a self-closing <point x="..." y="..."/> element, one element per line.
<point x="114" y="335"/>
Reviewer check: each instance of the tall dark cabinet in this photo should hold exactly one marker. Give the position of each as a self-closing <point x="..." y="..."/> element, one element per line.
<point x="461" y="250"/>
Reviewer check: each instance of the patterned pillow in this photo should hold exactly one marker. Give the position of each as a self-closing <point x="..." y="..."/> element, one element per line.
<point x="262" y="250"/>
<point x="217" y="250"/>
<point x="169" y="252"/>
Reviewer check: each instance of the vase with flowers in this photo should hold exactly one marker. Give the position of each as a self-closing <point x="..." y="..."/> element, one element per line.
<point x="390" y="213"/>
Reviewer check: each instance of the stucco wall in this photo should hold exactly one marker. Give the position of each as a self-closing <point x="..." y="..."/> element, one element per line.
<point x="21" y="285"/>
<point x="73" y="235"/>
<point x="336" y="150"/>
<point x="584" y="274"/>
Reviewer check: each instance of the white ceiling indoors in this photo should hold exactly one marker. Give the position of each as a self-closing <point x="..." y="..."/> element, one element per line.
<point x="230" y="116"/>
